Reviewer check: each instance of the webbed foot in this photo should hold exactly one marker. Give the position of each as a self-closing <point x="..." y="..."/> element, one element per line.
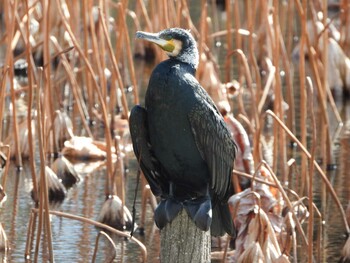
<point x="166" y="211"/>
<point x="199" y="210"/>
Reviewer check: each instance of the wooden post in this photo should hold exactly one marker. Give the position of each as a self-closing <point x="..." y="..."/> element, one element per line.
<point x="182" y="242"/>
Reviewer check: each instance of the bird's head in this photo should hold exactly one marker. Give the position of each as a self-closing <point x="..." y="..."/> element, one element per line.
<point x="178" y="43"/>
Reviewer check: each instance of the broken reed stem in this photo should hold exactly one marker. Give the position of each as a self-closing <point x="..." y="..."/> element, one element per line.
<point x="97" y="90"/>
<point x="74" y="84"/>
<point x="30" y="106"/>
<point x="311" y="167"/>
<point x="100" y="225"/>
<point x="102" y="233"/>
<point x="318" y="168"/>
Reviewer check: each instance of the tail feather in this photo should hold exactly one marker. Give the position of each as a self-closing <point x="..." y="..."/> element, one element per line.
<point x="222" y="222"/>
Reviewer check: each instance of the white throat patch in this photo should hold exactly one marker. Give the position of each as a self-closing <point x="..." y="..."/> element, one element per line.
<point x="177" y="49"/>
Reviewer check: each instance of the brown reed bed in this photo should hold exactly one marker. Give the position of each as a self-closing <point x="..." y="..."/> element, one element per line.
<point x="79" y="42"/>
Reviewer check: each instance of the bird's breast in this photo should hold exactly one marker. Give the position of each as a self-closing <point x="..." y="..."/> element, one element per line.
<point x="169" y="100"/>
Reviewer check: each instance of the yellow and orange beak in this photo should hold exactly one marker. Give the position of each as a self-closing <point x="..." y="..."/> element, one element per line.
<point x="166" y="45"/>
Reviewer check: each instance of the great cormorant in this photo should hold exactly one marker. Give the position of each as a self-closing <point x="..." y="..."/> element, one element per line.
<point x="181" y="141"/>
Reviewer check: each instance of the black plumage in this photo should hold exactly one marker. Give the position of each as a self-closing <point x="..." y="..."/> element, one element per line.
<point x="181" y="141"/>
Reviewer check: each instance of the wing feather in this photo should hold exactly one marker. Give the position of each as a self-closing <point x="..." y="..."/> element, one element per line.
<point x="142" y="148"/>
<point x="215" y="145"/>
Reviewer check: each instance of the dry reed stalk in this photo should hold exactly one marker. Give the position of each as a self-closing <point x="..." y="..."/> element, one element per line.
<point x="102" y="53"/>
<point x="147" y="197"/>
<point x="44" y="216"/>
<point x="237" y="19"/>
<point x="325" y="151"/>
<point x="227" y="244"/>
<point x="228" y="40"/>
<point x="74" y="84"/>
<point x="173" y="22"/>
<point x="100" y="225"/>
<point x="292" y="164"/>
<point x="10" y="22"/>
<point x="30" y="235"/>
<point x="179" y="13"/>
<point x="288" y="203"/>
<point x="267" y="87"/>
<point x="278" y="91"/>
<point x="16" y="34"/>
<point x="302" y="78"/>
<point x="49" y="105"/>
<point x="129" y="53"/>
<point x="251" y="15"/>
<point x="203" y="31"/>
<point x="289" y="29"/>
<point x="165" y="12"/>
<point x="144" y="12"/>
<point x="289" y="84"/>
<point x="186" y="13"/>
<point x="117" y="74"/>
<point x="97" y="59"/>
<point x="119" y="34"/>
<point x="322" y="98"/>
<point x="2" y="97"/>
<point x="101" y="233"/>
<point x="214" y="16"/>
<point x="115" y="68"/>
<point x="117" y="182"/>
<point x="88" y="76"/>
<point x="30" y="105"/>
<point x="254" y="112"/>
<point x="96" y="87"/>
<point x="311" y="167"/>
<point x="318" y="168"/>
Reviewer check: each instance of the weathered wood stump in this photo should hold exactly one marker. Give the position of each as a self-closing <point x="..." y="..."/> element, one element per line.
<point x="182" y="242"/>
